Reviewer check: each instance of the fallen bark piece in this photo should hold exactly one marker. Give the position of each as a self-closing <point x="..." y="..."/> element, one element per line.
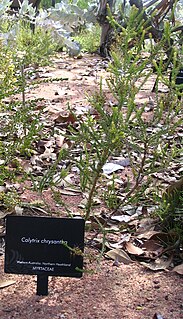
<point x="6" y="283"/>
<point x="134" y="250"/>
<point x="119" y="255"/>
<point x="178" y="269"/>
<point x="158" y="264"/>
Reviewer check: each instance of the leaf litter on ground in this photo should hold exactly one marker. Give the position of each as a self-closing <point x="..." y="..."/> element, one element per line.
<point x="142" y="229"/>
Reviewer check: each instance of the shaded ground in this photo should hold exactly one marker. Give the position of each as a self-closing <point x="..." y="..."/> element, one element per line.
<point x="127" y="291"/>
<point x="114" y="290"/>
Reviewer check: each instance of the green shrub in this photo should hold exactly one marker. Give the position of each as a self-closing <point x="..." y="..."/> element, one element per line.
<point x="37" y="47"/>
<point x="170" y="210"/>
<point x="123" y="129"/>
<point x="19" y="124"/>
<point x="8" y="79"/>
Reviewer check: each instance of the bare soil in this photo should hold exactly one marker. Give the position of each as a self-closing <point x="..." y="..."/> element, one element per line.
<point x="127" y="291"/>
<point x="109" y="290"/>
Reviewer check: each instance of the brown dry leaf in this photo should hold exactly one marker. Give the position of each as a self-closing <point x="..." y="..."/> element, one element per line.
<point x="177" y="185"/>
<point x="98" y="219"/>
<point x="45" y="143"/>
<point x="134" y="250"/>
<point x="124" y="238"/>
<point x="48" y="154"/>
<point x="147" y="234"/>
<point x="152" y="245"/>
<point x="68" y="118"/>
<point x="152" y="250"/>
<point x="74" y="190"/>
<point x="6" y="283"/>
<point x="84" y="201"/>
<point x="165" y="238"/>
<point x="178" y="269"/>
<point x="69" y="192"/>
<point x="59" y="140"/>
<point x="2" y="230"/>
<point x="38" y="209"/>
<point x="158" y="264"/>
<point x="4" y="214"/>
<point x="53" y="109"/>
<point x="146" y="224"/>
<point x="115" y="245"/>
<point x="119" y="255"/>
<point x="121" y="218"/>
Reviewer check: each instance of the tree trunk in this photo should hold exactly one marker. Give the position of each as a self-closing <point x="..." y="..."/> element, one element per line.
<point x="105" y="25"/>
<point x="162" y="9"/>
<point x="53" y="3"/>
<point x="16" y="4"/>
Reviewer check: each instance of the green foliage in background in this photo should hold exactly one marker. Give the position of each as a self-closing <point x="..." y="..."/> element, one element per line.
<point x="45" y="4"/>
<point x="8" y="79"/>
<point x="83" y="4"/>
<point x="37" y="47"/>
<point x="89" y="39"/>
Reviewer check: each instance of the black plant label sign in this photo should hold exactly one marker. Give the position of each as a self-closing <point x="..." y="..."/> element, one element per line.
<point x="44" y="246"/>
